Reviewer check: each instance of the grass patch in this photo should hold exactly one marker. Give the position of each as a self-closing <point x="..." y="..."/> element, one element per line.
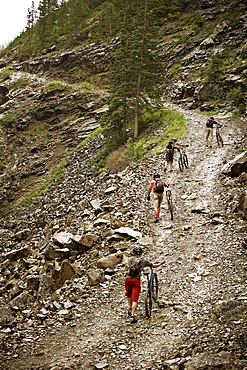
<point x="20" y="82"/>
<point x="1" y="167"/>
<point x="170" y="125"/>
<point x="85" y="86"/>
<point x="9" y="120"/>
<point x="5" y="74"/>
<point x="54" y="85"/>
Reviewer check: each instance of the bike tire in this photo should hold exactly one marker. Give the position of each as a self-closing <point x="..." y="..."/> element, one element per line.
<point x="219" y="140"/>
<point x="181" y="164"/>
<point x="155" y="287"/>
<point x="170" y="206"/>
<point x="148" y="302"/>
<point x="185" y="160"/>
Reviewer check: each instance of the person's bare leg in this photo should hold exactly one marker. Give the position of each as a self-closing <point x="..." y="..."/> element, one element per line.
<point x="130" y="302"/>
<point x="134" y="306"/>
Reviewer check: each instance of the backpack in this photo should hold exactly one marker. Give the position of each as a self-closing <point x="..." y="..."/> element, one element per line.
<point x="210" y="123"/>
<point x="159" y="188"/>
<point x="169" y="146"/>
<point x="135" y="266"/>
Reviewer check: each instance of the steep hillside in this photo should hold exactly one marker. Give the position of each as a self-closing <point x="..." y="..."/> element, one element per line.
<point x="62" y="285"/>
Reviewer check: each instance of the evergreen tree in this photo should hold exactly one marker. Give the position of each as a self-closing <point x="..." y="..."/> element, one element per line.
<point x="63" y="18"/>
<point x="78" y="13"/>
<point x="31" y="18"/>
<point x="137" y="72"/>
<point x="46" y="30"/>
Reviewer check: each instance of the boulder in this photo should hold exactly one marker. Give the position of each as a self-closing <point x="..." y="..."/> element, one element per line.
<point x="127" y="231"/>
<point x="95" y="276"/>
<point x="61" y="273"/>
<point x="51" y="252"/>
<point x="63" y="238"/>
<point x="18" y="254"/>
<point x="22" y="300"/>
<point x="236" y="166"/>
<point x="86" y="240"/>
<point x="110" y="261"/>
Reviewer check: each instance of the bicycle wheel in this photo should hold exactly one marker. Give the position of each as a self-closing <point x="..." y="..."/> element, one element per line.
<point x="148" y="302"/>
<point x="155" y="287"/>
<point x="170" y="205"/>
<point x="185" y="160"/>
<point x="219" y="140"/>
<point x="181" y="163"/>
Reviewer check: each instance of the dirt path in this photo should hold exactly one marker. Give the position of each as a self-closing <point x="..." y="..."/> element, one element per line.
<point x="205" y="266"/>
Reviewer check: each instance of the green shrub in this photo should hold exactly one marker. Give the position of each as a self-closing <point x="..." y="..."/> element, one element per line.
<point x="237" y="96"/>
<point x="86" y="86"/>
<point x="54" y="85"/>
<point x="100" y="158"/>
<point x="5" y="73"/>
<point x="1" y="167"/>
<point x="20" y="82"/>
<point x="194" y="20"/>
<point x="213" y="72"/>
<point x="9" y="120"/>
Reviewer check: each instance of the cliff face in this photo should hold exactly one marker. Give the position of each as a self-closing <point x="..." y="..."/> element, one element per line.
<point x="57" y="99"/>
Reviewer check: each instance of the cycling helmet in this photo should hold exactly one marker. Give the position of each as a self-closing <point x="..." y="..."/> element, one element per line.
<point x="174" y="139"/>
<point x="156" y="176"/>
<point x="137" y="250"/>
<point x="211" y="117"/>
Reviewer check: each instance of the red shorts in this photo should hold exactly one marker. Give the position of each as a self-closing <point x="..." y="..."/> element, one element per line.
<point x="132" y="288"/>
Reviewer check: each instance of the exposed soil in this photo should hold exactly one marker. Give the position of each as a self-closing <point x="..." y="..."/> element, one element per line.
<point x="202" y="287"/>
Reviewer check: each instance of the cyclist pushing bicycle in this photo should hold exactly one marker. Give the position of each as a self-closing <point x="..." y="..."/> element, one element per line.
<point x="132" y="281"/>
<point x="209" y="130"/>
<point x="171" y="146"/>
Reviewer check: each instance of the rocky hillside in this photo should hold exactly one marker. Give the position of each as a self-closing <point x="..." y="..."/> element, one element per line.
<point x="62" y="266"/>
<point x="62" y="257"/>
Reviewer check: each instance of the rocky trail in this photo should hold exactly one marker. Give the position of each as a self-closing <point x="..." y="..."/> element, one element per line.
<point x="200" y="317"/>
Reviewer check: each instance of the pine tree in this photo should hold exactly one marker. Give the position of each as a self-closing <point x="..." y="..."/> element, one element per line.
<point x="31" y="18"/>
<point x="46" y="29"/>
<point x="78" y="13"/>
<point x="137" y="72"/>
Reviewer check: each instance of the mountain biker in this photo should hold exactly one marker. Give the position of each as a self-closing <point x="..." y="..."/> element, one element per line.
<point x="133" y="282"/>
<point x="157" y="194"/>
<point x="172" y="144"/>
<point x="209" y="130"/>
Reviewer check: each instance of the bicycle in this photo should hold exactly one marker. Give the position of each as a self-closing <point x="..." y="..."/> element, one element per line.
<point x="169" y="202"/>
<point x="218" y="136"/>
<point x="183" y="159"/>
<point x="151" y="293"/>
